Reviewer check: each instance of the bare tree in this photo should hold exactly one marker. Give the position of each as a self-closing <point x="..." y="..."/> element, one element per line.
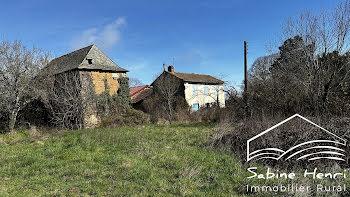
<point x="305" y="25"/>
<point x="324" y="39"/>
<point x="327" y="31"/>
<point x="167" y="86"/>
<point x="133" y="82"/>
<point x="341" y="25"/>
<point x="18" y="66"/>
<point x="65" y="100"/>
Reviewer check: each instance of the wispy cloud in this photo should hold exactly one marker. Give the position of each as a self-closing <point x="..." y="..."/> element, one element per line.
<point x="105" y="38"/>
<point x="194" y="56"/>
<point x="143" y="70"/>
<point x="136" y="67"/>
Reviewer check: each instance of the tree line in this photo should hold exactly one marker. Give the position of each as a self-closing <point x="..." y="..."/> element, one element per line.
<point x="309" y="73"/>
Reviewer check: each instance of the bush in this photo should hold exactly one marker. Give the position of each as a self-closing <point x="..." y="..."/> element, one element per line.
<point x="211" y="114"/>
<point x="157" y="108"/>
<point x="4" y="121"/>
<point x="127" y="117"/>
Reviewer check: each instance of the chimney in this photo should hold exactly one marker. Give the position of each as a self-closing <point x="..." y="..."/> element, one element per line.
<point x="164" y="66"/>
<point x="171" y="69"/>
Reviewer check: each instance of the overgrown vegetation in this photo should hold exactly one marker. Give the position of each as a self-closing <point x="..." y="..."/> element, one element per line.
<point x="157" y="108"/>
<point x="299" y="81"/>
<point x="309" y="71"/>
<point x="308" y="75"/>
<point x="141" y="161"/>
<point x="18" y="66"/>
<point x="167" y="89"/>
<point x="115" y="110"/>
<point x="124" y="117"/>
<point x="64" y="100"/>
<point x="149" y="160"/>
<point x="123" y="94"/>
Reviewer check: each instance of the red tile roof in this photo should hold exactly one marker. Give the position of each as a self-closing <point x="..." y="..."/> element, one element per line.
<point x="142" y="95"/>
<point x="135" y="90"/>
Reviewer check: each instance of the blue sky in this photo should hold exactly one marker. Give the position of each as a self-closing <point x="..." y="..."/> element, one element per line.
<point x="204" y="37"/>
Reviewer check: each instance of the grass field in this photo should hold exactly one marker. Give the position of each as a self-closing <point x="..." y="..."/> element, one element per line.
<point x="146" y="160"/>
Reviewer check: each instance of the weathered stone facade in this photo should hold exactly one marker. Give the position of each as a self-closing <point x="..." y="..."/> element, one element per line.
<point x="99" y="78"/>
<point x="90" y="115"/>
<point x="96" y="72"/>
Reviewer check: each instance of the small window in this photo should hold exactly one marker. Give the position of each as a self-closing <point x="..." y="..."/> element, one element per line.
<point x="207" y="105"/>
<point x="89" y="61"/>
<point x="195" y="107"/>
<point x="206" y="90"/>
<point x="194" y="90"/>
<point x="115" y="76"/>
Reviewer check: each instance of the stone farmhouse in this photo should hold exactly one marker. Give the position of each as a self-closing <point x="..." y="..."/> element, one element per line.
<point x="90" y="61"/>
<point x="87" y="72"/>
<point x="94" y="71"/>
<point x="198" y="90"/>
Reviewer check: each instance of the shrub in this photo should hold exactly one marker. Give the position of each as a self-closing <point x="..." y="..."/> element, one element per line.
<point x="129" y="117"/>
<point x="4" y="121"/>
<point x="182" y="116"/>
<point x="157" y="108"/>
<point x="211" y="114"/>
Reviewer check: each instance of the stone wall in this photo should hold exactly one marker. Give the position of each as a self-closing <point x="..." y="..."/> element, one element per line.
<point x="94" y="83"/>
<point x="90" y="116"/>
<point x="98" y="79"/>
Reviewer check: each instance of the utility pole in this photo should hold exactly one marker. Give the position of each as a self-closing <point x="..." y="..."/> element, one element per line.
<point x="245" y="67"/>
<point x="245" y="80"/>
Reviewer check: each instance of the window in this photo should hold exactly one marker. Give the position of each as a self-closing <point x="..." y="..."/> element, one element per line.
<point x="115" y="76"/>
<point x="207" y="105"/>
<point x="206" y="89"/>
<point x="195" y="107"/>
<point x="89" y="61"/>
<point x="194" y="89"/>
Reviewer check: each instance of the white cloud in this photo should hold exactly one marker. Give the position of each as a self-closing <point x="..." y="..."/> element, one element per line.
<point x="194" y="56"/>
<point x="105" y="38"/>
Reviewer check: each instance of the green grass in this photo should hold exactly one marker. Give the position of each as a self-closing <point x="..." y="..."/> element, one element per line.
<point x="146" y="160"/>
<point x="129" y="161"/>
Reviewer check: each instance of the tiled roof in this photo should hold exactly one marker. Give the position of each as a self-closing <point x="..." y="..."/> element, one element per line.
<point x="144" y="93"/>
<point x="78" y="60"/>
<point x="196" y="78"/>
<point x="135" y="90"/>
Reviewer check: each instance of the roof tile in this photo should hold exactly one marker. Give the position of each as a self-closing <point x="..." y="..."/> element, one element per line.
<point x="197" y="78"/>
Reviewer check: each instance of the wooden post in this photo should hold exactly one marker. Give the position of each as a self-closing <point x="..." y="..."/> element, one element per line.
<point x="245" y="66"/>
<point x="245" y="80"/>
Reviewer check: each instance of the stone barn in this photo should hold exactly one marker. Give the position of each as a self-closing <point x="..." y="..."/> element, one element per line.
<point x="78" y="77"/>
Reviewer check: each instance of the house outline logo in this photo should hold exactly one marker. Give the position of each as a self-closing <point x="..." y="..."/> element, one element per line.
<point x="277" y="154"/>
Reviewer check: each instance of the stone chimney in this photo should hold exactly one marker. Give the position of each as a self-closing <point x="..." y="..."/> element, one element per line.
<point x="164" y="66"/>
<point x="171" y="69"/>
